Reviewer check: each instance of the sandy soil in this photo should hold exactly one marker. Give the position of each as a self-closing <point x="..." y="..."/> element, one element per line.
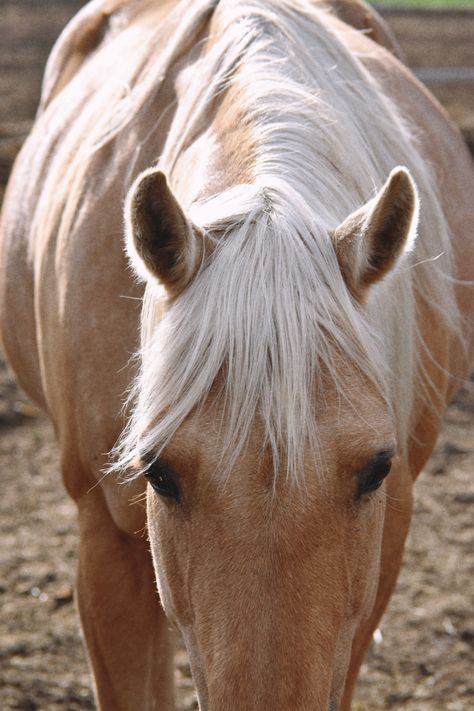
<point x="424" y="655"/>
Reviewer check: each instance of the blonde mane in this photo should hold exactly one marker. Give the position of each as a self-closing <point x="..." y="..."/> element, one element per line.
<point x="269" y="309"/>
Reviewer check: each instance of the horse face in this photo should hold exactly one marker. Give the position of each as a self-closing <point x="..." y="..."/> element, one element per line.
<point x="267" y="580"/>
<point x="273" y="580"/>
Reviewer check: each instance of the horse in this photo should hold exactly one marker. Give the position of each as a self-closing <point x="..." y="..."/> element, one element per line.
<point x="264" y="360"/>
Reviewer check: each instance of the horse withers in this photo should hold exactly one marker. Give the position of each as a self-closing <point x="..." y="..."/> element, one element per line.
<point x="296" y="209"/>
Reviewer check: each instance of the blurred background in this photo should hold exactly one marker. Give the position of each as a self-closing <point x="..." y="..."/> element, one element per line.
<point x="423" y="656"/>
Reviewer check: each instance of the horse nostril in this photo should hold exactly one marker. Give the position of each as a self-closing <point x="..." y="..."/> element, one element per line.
<point x="332" y="706"/>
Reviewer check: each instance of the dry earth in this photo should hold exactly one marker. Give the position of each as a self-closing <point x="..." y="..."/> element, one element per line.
<point x="423" y="657"/>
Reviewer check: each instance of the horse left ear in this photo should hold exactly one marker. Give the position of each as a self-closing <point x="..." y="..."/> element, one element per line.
<point x="161" y="241"/>
<point x="371" y="240"/>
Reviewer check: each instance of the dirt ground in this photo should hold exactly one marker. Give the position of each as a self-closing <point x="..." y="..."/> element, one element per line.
<point x="423" y="657"/>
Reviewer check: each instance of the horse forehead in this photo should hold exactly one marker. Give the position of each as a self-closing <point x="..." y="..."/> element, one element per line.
<point x="350" y="427"/>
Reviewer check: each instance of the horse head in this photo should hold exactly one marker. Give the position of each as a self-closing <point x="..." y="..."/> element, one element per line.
<point x="267" y="559"/>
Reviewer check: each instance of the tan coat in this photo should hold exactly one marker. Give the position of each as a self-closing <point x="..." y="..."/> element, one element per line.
<point x="70" y="318"/>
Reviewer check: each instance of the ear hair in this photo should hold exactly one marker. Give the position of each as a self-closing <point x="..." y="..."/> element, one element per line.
<point x="161" y="241"/>
<point x="371" y="240"/>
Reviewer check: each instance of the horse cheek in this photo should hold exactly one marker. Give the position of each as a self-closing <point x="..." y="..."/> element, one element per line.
<point x="167" y="553"/>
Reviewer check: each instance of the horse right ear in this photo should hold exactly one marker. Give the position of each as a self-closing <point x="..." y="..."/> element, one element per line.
<point x="161" y="241"/>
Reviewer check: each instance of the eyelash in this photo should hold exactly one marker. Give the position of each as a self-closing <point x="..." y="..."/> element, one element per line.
<point x="163" y="480"/>
<point x="374" y="474"/>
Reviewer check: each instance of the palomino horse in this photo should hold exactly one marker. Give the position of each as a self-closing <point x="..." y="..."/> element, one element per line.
<point x="298" y="340"/>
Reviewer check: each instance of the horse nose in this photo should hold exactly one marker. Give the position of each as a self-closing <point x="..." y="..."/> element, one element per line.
<point x="332" y="706"/>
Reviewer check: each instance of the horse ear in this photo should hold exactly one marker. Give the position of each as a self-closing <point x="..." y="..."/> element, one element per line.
<point x="371" y="240"/>
<point x="161" y="241"/>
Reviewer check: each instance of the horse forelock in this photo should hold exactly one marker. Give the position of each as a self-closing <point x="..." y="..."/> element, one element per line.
<point x="258" y="318"/>
<point x="269" y="310"/>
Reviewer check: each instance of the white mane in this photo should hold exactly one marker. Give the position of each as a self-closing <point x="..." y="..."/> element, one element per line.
<point x="264" y="316"/>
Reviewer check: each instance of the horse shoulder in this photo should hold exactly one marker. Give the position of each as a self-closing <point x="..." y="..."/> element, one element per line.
<point x="85" y="33"/>
<point x="442" y="148"/>
<point x="360" y="16"/>
<point x="440" y="145"/>
<point x="79" y="39"/>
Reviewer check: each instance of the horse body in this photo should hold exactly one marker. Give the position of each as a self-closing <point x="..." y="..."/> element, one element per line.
<point x="286" y="359"/>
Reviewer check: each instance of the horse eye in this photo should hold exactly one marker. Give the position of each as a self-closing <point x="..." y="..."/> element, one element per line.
<point x="163" y="480"/>
<point x="373" y="474"/>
